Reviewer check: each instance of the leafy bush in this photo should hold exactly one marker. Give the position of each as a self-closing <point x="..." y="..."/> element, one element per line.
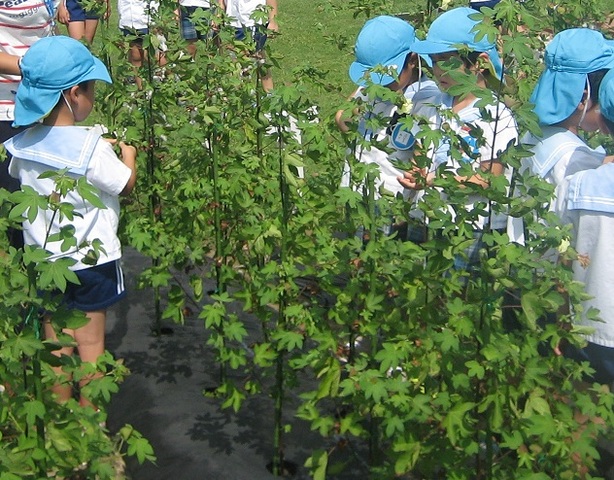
<point x="453" y="376"/>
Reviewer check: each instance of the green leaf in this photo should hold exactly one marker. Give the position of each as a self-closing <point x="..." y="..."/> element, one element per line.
<point x="454" y="422"/>
<point x="33" y="410"/>
<point x="317" y="464"/>
<point x="141" y="448"/>
<point x="475" y="369"/>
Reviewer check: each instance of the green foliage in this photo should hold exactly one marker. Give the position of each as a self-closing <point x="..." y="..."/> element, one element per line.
<point x="400" y="360"/>
<point x="40" y="437"/>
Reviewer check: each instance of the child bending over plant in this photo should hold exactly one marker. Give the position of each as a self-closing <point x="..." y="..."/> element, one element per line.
<point x="388" y="72"/>
<point x="475" y="126"/>
<point x="57" y="90"/>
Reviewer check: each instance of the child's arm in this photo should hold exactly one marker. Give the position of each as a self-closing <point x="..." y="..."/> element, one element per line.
<point x="339" y="120"/>
<point x="9" y="64"/>
<point x="128" y="156"/>
<point x="492" y="166"/>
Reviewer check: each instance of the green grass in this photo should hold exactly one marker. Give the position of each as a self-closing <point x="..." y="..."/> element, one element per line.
<point x="320" y="34"/>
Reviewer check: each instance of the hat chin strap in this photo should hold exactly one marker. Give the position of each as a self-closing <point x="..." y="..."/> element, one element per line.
<point x="585" y="109"/>
<point x="419" y="72"/>
<point x="68" y="105"/>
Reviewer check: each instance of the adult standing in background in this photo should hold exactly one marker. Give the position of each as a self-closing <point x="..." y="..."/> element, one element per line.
<point x="21" y="25"/>
<point x="241" y="13"/>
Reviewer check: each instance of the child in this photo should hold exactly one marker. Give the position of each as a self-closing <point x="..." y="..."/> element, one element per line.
<point x="566" y="101"/>
<point x="81" y="23"/>
<point x="190" y="31"/>
<point x="448" y="40"/>
<point x="241" y="12"/>
<point x="135" y="18"/>
<point x="386" y="41"/>
<point x="587" y="202"/>
<point x="57" y="89"/>
<point x="18" y="32"/>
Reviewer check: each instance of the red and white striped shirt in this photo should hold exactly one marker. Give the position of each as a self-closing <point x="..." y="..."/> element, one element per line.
<point x="22" y="23"/>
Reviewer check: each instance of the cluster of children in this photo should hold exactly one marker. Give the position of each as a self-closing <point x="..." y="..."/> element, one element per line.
<point x="136" y="18"/>
<point x="575" y="92"/>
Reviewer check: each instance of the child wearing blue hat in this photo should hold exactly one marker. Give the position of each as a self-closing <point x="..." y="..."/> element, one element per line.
<point x="586" y="201"/>
<point x="566" y="102"/>
<point x="56" y="92"/>
<point x="457" y="51"/>
<point x="384" y="56"/>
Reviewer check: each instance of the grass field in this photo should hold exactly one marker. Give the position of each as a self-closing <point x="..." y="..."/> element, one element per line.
<point x="319" y="35"/>
<point x="322" y="33"/>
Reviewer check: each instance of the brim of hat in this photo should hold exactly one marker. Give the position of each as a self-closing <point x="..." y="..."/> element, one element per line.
<point x="34" y="103"/>
<point x="428" y="47"/>
<point x="557" y="95"/>
<point x="357" y="70"/>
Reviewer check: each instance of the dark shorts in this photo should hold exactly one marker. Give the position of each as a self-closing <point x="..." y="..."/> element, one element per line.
<point x="256" y="33"/>
<point x="101" y="286"/>
<point x="78" y="14"/>
<point x="600" y="358"/>
<point x="188" y="28"/>
<point x="137" y="34"/>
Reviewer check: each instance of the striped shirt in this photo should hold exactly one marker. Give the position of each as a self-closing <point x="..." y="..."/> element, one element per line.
<point x="22" y="23"/>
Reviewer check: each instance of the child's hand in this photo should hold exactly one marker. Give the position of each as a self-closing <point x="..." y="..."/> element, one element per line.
<point x="128" y="152"/>
<point x="63" y="15"/>
<point x="414" y="179"/>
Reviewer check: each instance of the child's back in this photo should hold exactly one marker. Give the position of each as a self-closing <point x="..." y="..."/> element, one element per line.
<point x="57" y="88"/>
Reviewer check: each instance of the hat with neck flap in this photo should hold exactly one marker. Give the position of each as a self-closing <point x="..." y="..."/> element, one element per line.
<point x="606" y="96"/>
<point x="383" y="41"/>
<point x="454" y="30"/>
<point x="569" y="57"/>
<point x="50" y="66"/>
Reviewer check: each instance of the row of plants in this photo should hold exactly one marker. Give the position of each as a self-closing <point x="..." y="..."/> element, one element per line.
<point x="404" y="365"/>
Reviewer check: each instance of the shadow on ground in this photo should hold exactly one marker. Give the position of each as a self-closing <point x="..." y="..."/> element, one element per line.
<point x="163" y="398"/>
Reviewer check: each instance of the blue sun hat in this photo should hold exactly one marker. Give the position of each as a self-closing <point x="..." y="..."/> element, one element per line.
<point x="384" y="41"/>
<point x="455" y="29"/>
<point x="49" y="67"/>
<point x="570" y="57"/>
<point x="606" y="96"/>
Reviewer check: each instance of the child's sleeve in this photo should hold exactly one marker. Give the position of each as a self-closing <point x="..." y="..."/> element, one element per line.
<point x="106" y="171"/>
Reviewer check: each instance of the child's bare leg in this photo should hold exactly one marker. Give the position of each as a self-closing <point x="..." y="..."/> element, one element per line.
<point x="91" y="24"/>
<point x="135" y="57"/>
<point x="76" y="30"/>
<point x="191" y="47"/>
<point x="267" y="81"/>
<point x="267" y="78"/>
<point x="63" y="389"/>
<point x="90" y="344"/>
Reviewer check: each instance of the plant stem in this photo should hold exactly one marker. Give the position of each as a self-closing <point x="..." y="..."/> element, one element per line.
<point x="281" y="321"/>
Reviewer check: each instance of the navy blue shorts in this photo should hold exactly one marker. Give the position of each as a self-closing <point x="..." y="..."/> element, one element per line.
<point x="601" y="359"/>
<point x="137" y="33"/>
<point x="257" y="34"/>
<point x="78" y="14"/>
<point x="101" y="286"/>
<point x="188" y="28"/>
